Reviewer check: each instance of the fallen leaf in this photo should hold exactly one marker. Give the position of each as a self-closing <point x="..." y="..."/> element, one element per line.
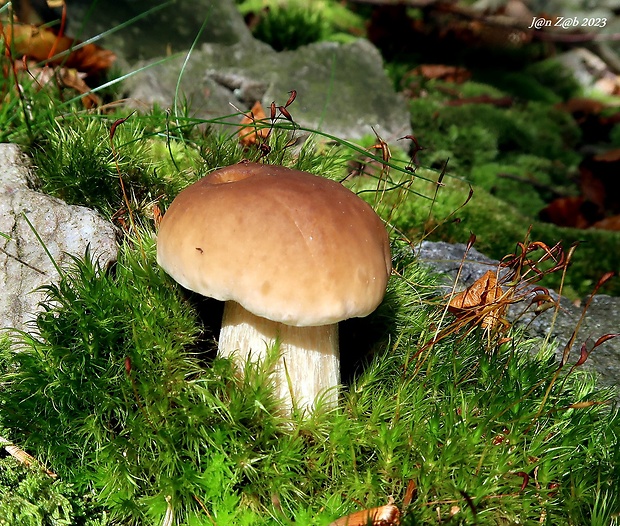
<point x="481" y="301"/>
<point x="454" y="74"/>
<point x="579" y="106"/>
<point x="39" y="43"/>
<point x="388" y="515"/>
<point x="72" y="78"/>
<point x="608" y="156"/>
<point x="608" y="223"/>
<point x="253" y="133"/>
<point x="62" y="77"/>
<point x="566" y="211"/>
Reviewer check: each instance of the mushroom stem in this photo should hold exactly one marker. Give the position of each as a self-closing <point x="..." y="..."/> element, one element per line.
<point x="309" y="356"/>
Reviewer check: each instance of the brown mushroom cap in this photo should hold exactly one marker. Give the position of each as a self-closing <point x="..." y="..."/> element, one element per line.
<point x="287" y="245"/>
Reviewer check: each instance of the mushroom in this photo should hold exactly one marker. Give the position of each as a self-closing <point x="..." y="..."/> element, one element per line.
<point x="291" y="254"/>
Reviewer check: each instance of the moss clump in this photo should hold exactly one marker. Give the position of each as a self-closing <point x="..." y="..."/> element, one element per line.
<point x="112" y="393"/>
<point x="527" y="182"/>
<point x="76" y="162"/>
<point x="29" y="497"/>
<point x="499" y="225"/>
<point x="474" y="134"/>
<point x="518" y="159"/>
<point x="286" y="25"/>
<point x="287" y="28"/>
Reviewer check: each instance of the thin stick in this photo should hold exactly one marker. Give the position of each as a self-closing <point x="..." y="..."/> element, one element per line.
<point x="22" y="457"/>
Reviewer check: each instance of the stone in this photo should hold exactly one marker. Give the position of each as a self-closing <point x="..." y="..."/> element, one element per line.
<point x="586" y="67"/>
<point x="601" y="317"/>
<point x="158" y="28"/>
<point x="575" y="8"/>
<point x="342" y="89"/>
<point x="63" y="229"/>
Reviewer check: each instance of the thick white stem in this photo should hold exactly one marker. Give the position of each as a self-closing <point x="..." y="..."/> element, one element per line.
<point x="308" y="355"/>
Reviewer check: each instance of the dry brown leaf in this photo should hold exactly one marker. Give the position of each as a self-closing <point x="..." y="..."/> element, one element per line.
<point x="71" y="78"/>
<point x="609" y="223"/>
<point x="481" y="301"/>
<point x="388" y="515"/>
<point x="252" y="133"/>
<point x="65" y="78"/>
<point x="443" y="72"/>
<point x="566" y="211"/>
<point x="608" y="156"/>
<point x="580" y="106"/>
<point x="41" y="44"/>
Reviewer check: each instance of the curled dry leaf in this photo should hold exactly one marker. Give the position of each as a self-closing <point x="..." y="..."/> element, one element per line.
<point x="157" y="216"/>
<point x="251" y="133"/>
<point x="388" y="515"/>
<point x="40" y="44"/>
<point x="71" y="78"/>
<point x="62" y="77"/>
<point x="481" y="301"/>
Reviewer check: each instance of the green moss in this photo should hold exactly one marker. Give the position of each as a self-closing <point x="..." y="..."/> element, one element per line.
<point x="546" y="82"/>
<point x="110" y="394"/>
<point x="532" y="129"/>
<point x="525" y="182"/>
<point x="518" y="159"/>
<point x="444" y="138"/>
<point x="554" y="76"/>
<point x="287" y="28"/>
<point x="29" y="497"/>
<point x="499" y="225"/>
<point x="76" y="162"/>
<point x="286" y="25"/>
<point x="118" y="391"/>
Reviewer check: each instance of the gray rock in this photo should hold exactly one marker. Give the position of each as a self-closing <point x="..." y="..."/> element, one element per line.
<point x="63" y="230"/>
<point x="579" y="8"/>
<point x="169" y="27"/>
<point x="602" y="316"/>
<point x="587" y="67"/>
<point x="342" y="89"/>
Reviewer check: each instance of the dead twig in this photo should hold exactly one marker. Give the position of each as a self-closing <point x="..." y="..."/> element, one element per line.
<point x="22" y="457"/>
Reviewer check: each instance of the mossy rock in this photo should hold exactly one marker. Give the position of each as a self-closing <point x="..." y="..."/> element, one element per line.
<point x="499" y="226"/>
